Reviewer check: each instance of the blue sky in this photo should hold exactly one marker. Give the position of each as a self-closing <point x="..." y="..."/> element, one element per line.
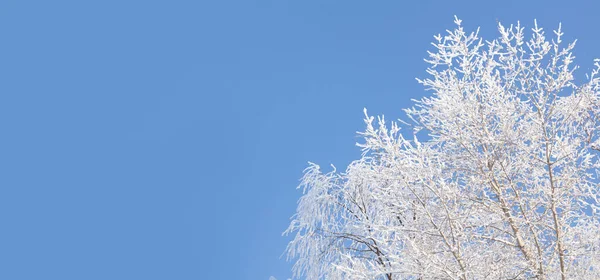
<point x="165" y="139"/>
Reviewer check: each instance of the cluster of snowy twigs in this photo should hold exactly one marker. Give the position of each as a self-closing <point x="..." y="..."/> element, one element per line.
<point x="504" y="185"/>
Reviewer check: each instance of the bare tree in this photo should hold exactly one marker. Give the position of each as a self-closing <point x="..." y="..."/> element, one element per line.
<point x="504" y="187"/>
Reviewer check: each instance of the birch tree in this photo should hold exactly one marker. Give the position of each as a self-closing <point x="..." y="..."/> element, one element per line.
<point x="503" y="184"/>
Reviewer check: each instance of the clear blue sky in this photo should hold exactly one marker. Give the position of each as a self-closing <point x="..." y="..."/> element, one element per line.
<point x="165" y="139"/>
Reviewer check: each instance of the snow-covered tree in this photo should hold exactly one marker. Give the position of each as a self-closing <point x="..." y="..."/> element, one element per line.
<point x="503" y="184"/>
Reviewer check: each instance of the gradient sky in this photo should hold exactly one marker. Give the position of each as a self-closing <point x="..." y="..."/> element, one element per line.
<point x="165" y="139"/>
